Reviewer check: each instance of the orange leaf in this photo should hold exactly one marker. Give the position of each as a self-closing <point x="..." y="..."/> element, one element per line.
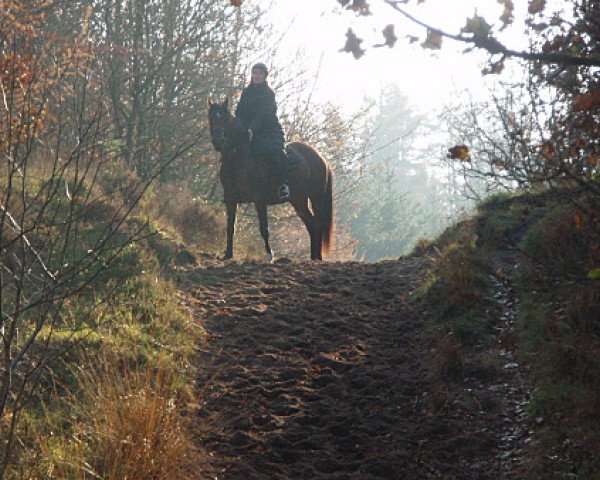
<point x="593" y="161"/>
<point x="360" y="6"/>
<point x="236" y="3"/>
<point x="459" y="152"/>
<point x="547" y="150"/>
<point x="586" y="101"/>
<point x="494" y="69"/>
<point x="577" y="220"/>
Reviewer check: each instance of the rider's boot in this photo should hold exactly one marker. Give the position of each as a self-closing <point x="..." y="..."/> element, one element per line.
<point x="282" y="170"/>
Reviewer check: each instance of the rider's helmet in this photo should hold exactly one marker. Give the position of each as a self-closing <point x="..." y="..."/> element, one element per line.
<point x="261" y="66"/>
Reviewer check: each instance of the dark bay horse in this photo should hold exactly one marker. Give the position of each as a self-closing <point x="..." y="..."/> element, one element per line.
<point x="247" y="179"/>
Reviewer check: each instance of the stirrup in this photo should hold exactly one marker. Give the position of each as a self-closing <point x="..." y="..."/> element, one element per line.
<point x="283" y="192"/>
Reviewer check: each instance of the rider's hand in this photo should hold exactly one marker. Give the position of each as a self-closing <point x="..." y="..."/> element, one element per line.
<point x="249" y="135"/>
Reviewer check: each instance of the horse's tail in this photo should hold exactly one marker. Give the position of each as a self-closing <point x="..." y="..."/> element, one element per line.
<point x="325" y="218"/>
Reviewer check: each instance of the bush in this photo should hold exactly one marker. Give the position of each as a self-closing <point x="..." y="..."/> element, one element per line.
<point x="196" y="222"/>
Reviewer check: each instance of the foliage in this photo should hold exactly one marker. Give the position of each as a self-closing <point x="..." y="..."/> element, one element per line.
<point x="546" y="134"/>
<point x="136" y="349"/>
<point x="396" y="200"/>
<point x="574" y="48"/>
<point x="128" y="425"/>
<point x="458" y="285"/>
<point x="561" y="337"/>
<point x="556" y="244"/>
<point x="99" y="99"/>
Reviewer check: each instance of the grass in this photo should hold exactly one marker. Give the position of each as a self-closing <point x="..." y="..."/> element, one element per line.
<point x="455" y="290"/>
<point x="457" y="283"/>
<point x="116" y="402"/>
<point x="560" y="338"/>
<point x="556" y="237"/>
<point x="128" y="423"/>
<point x="127" y="378"/>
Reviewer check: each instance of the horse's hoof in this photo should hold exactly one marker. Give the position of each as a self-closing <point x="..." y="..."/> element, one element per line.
<point x="227" y="257"/>
<point x="269" y="257"/>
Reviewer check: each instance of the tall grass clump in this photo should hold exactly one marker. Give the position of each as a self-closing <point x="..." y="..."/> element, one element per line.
<point x="124" y="422"/>
<point x="457" y="284"/>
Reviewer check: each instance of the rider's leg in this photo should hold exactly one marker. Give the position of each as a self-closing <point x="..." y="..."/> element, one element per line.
<point x="283" y="174"/>
<point x="271" y="149"/>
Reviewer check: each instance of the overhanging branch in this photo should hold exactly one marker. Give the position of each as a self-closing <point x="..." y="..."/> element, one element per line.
<point x="493" y="46"/>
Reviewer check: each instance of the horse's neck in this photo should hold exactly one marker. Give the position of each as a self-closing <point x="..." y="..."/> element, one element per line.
<point x="239" y="150"/>
<point x="235" y="130"/>
<point x="236" y="158"/>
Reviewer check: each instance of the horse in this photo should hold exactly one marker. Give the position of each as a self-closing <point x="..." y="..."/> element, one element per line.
<point x="247" y="179"/>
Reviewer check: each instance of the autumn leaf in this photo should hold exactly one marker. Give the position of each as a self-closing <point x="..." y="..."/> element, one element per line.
<point x="433" y="40"/>
<point x="547" y="150"/>
<point x="577" y="221"/>
<point x="460" y="152"/>
<point x="593" y="161"/>
<point x="551" y="46"/>
<point x="236" y="3"/>
<point x="536" y="6"/>
<point x="507" y="14"/>
<point x="573" y="152"/>
<point x="390" y="37"/>
<point x="494" y="68"/>
<point x="359" y="6"/>
<point x="586" y="101"/>
<point x="353" y="44"/>
<point x="477" y="26"/>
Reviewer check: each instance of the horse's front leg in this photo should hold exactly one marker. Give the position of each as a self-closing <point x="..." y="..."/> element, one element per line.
<point x="263" y="221"/>
<point x="231" y="211"/>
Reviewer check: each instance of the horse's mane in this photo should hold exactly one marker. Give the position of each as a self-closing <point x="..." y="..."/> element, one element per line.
<point x="235" y="127"/>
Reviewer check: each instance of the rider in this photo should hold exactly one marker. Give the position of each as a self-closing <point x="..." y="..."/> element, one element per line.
<point x="257" y="111"/>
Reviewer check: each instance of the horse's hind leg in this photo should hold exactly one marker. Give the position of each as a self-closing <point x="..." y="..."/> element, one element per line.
<point x="308" y="218"/>
<point x="263" y="221"/>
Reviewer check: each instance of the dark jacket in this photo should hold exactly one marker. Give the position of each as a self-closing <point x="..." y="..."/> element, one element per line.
<point x="257" y="111"/>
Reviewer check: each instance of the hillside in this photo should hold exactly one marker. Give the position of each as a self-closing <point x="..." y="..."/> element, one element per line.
<point x="429" y="366"/>
<point x="474" y="357"/>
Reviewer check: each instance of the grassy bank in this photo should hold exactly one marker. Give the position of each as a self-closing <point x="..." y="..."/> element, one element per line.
<point x="111" y="369"/>
<point x="555" y="239"/>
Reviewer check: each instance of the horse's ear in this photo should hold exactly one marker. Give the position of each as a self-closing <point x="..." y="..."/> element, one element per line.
<point x="226" y="102"/>
<point x="209" y="102"/>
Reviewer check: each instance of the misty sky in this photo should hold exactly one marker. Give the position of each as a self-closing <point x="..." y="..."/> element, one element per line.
<point x="318" y="28"/>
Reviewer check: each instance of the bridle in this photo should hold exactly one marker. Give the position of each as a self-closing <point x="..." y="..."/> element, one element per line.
<point x="218" y="133"/>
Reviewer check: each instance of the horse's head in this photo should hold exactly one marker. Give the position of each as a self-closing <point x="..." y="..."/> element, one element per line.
<point x="219" y="120"/>
<point x="226" y="132"/>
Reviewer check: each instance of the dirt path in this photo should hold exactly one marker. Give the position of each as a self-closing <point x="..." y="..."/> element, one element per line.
<point x="319" y="371"/>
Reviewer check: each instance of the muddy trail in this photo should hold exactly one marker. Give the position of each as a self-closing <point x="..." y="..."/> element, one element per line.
<point x="322" y="371"/>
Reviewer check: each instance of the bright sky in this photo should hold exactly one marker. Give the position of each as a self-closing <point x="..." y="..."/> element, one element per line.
<point x="427" y="77"/>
